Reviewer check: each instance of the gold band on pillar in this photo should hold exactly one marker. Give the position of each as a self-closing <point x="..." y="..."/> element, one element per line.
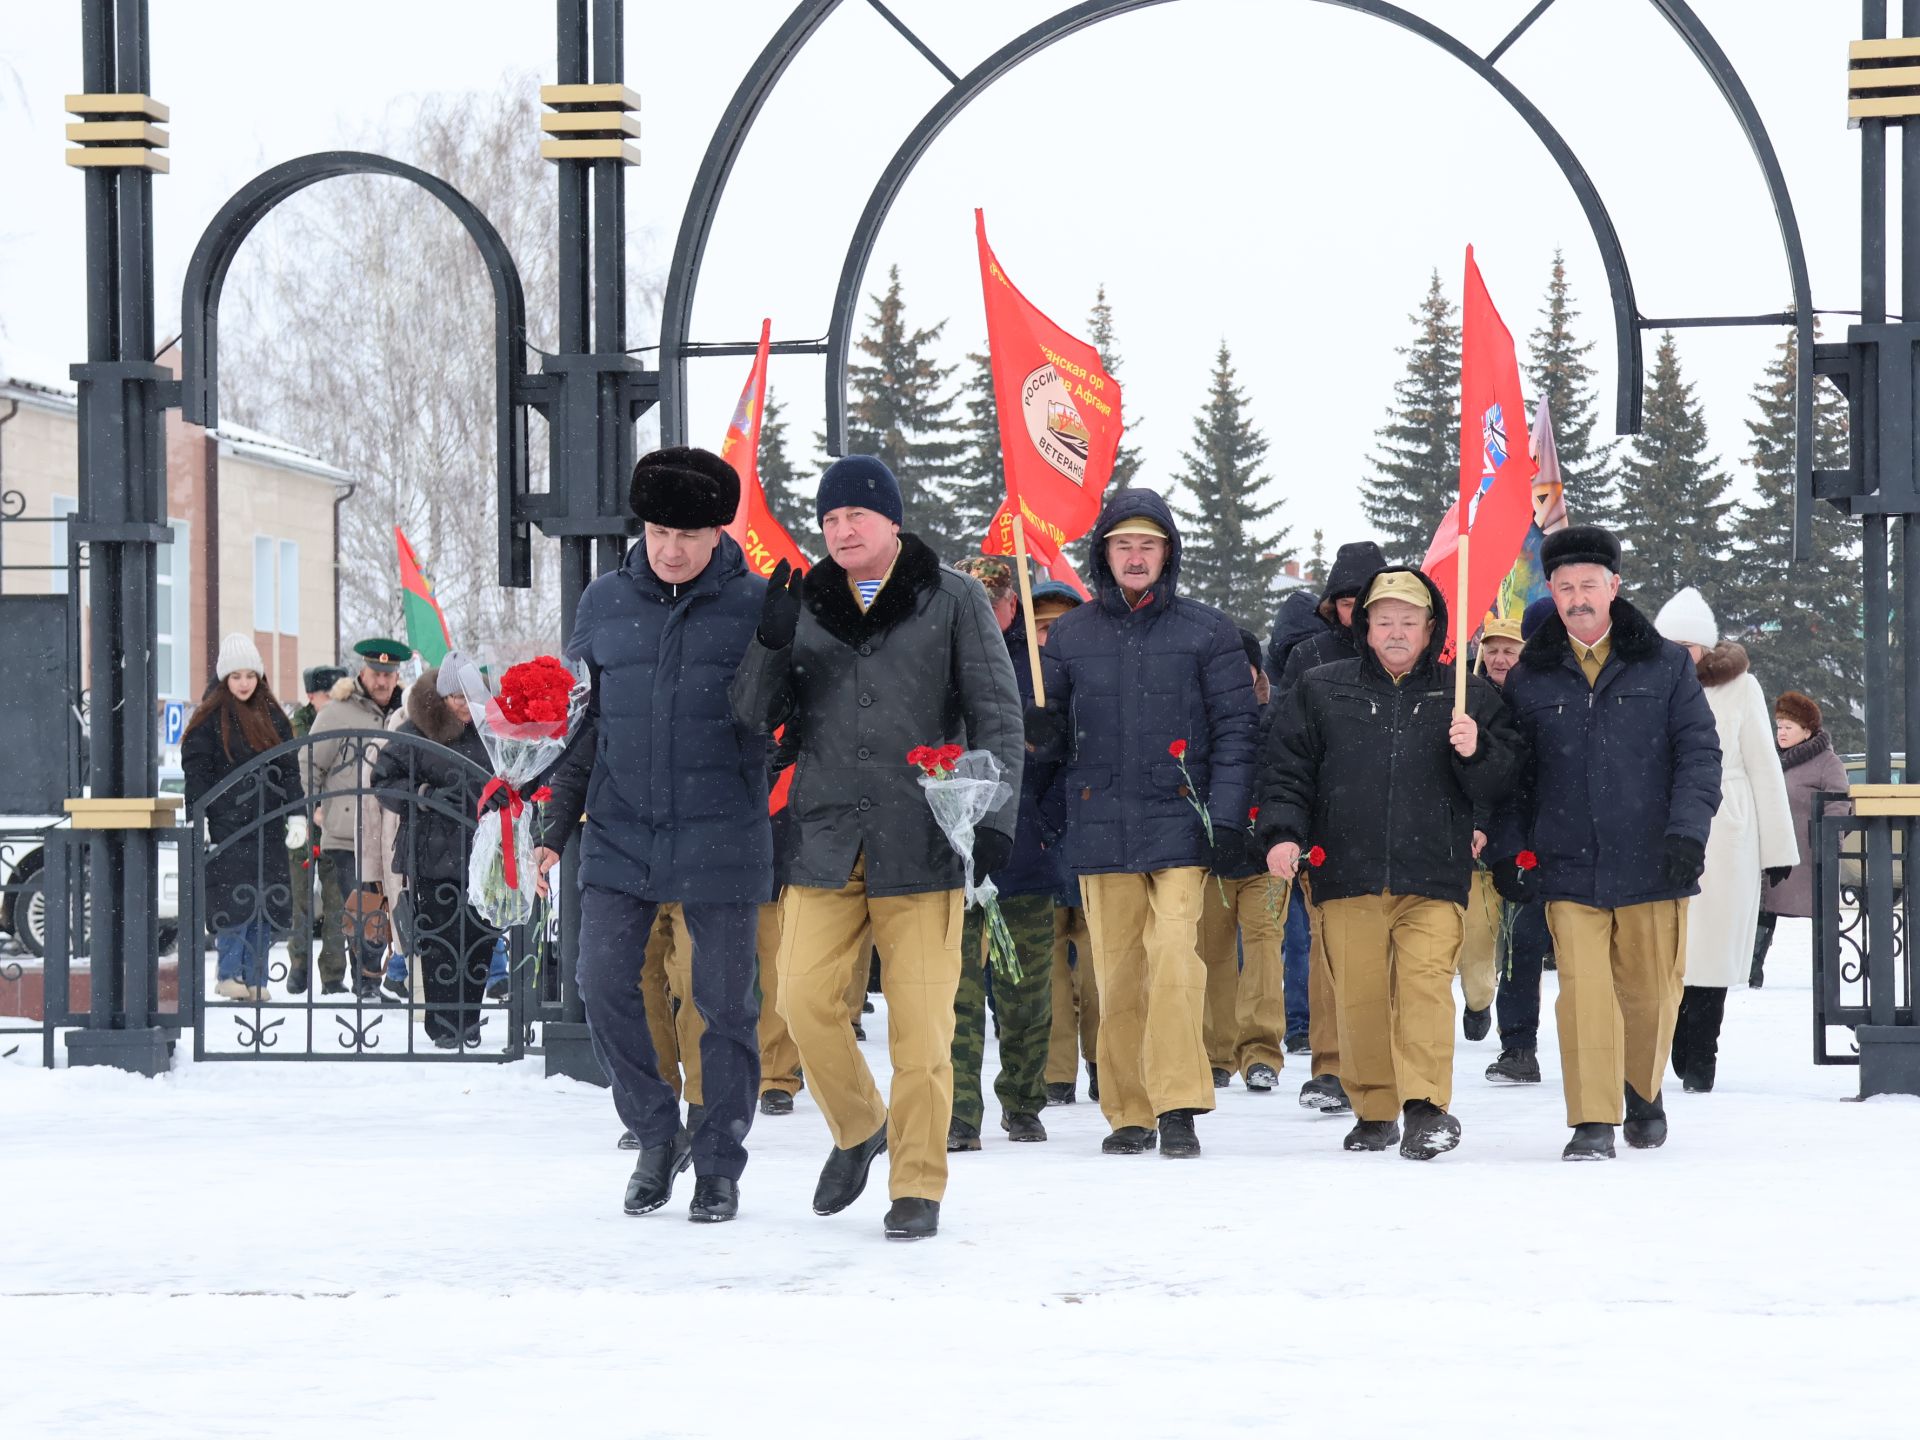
<point x="591" y="122"/>
<point x="118" y="130"/>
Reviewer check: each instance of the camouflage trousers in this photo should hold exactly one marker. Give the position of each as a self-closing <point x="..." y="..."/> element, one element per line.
<point x="1022" y="1009"/>
<point x="305" y="877"/>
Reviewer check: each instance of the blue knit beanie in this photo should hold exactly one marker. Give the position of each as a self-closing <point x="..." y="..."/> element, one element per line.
<point x="860" y="480"/>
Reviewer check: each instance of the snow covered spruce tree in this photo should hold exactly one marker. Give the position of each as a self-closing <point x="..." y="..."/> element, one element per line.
<point x="1801" y="621"/>
<point x="982" y="486"/>
<point x="1674" y="510"/>
<point x="1126" y="460"/>
<point x="901" y="409"/>
<point x="788" y="495"/>
<point x="1417" y="466"/>
<point x="1558" y="373"/>
<point x="1230" y="552"/>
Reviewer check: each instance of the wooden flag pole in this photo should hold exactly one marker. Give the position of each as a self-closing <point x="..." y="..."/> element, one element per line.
<point x="1460" y="631"/>
<point x="1026" y="607"/>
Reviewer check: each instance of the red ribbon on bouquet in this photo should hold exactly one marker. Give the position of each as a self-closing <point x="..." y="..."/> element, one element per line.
<point x="509" y="812"/>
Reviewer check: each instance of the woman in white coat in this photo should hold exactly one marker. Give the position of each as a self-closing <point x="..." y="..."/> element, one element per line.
<point x="1752" y="835"/>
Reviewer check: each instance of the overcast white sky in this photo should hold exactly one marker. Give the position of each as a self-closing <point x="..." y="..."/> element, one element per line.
<point x="1278" y="172"/>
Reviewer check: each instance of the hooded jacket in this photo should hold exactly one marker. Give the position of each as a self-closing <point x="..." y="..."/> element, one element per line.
<point x="1354" y="566"/>
<point x="1130" y="682"/>
<point x="1612" y="769"/>
<point x="673" y="786"/>
<point x="925" y="664"/>
<point x="1362" y="768"/>
<point x="433" y="793"/>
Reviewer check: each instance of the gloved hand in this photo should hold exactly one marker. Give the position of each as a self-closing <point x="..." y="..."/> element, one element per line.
<point x="1512" y="883"/>
<point x="1232" y="851"/>
<point x="1685" y="859"/>
<point x="296" y="832"/>
<point x="1776" y="874"/>
<point x="1045" y="728"/>
<point x="780" y="611"/>
<point x="991" y="852"/>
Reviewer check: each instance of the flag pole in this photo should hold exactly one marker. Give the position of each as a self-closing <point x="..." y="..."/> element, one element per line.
<point x="1026" y="608"/>
<point x="1460" y="631"/>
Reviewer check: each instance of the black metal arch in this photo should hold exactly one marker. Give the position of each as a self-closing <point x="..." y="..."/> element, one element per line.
<point x="207" y="274"/>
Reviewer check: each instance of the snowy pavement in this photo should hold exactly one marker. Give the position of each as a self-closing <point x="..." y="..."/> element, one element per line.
<point x="296" y="1250"/>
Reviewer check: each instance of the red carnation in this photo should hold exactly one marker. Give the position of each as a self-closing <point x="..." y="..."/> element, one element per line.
<point x="918" y="755"/>
<point x="1316" y="857"/>
<point x="950" y="755"/>
<point x="1177" y="749"/>
<point x="1253" y="814"/>
<point x="538" y="692"/>
<point x="1526" y="860"/>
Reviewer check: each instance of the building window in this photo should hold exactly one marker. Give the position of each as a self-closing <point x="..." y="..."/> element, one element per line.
<point x="289" y="588"/>
<point x="173" y="616"/>
<point x="62" y="507"/>
<point x="276" y="586"/>
<point x="265" y="590"/>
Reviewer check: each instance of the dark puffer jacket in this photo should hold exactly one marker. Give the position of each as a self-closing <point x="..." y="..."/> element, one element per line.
<point x="246" y="867"/>
<point x="1612" y="769"/>
<point x="925" y="665"/>
<point x="673" y="786"/>
<point x="1297" y="620"/>
<point x="1362" y="768"/>
<point x="434" y="794"/>
<point x="1035" y="866"/>
<point x="1130" y="682"/>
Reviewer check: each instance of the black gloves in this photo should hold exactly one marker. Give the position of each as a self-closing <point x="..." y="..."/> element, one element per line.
<point x="1511" y="882"/>
<point x="1045" y="728"/>
<point x="1776" y="874"/>
<point x="1232" y="850"/>
<point x="780" y="611"/>
<point x="1685" y="860"/>
<point x="991" y="852"/>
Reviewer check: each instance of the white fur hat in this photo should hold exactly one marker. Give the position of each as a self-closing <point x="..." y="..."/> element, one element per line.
<point x="238" y="652"/>
<point x="1687" y="620"/>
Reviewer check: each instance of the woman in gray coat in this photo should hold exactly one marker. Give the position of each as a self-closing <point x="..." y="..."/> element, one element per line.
<point x="1806" y="754"/>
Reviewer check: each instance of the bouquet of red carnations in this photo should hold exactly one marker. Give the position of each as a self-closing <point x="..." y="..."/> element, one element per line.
<point x="525" y="728"/>
<point x="963" y="787"/>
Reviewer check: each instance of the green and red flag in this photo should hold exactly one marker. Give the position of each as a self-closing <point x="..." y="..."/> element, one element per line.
<point x="427" y="629"/>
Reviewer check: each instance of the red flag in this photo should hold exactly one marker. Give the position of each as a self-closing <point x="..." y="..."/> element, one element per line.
<point x="1496" y="470"/>
<point x="763" y="538"/>
<point x="1059" y="420"/>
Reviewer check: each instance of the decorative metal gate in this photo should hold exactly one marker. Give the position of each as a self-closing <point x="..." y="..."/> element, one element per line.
<point x="1857" y="983"/>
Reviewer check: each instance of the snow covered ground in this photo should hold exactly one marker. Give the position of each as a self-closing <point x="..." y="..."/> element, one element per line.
<point x="322" y="1249"/>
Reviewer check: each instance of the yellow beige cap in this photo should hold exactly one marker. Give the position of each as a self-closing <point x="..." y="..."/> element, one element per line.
<point x="1400" y="585"/>
<point x="1500" y="627"/>
<point x="1136" y="525"/>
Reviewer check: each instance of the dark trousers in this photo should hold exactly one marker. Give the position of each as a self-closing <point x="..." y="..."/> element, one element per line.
<point x="1296" y="944"/>
<point x="1696" y="1034"/>
<point x="1517" y="1003"/>
<point x="454" y="947"/>
<point x="369" y="961"/>
<point x="613" y="942"/>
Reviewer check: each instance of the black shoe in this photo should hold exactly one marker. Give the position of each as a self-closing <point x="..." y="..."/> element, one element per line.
<point x="859" y="1031"/>
<point x="1093" y="1081"/>
<point x="446" y="1042"/>
<point x="1646" y="1127"/>
<point x="715" y="1199"/>
<point x="1756" y="977"/>
<point x="1023" y="1127"/>
<point x="1700" y="1080"/>
<point x="1299" y="1044"/>
<point x="368" y="989"/>
<point x="498" y="989"/>
<point x="296" y="982"/>
<point x="844" y="1175"/>
<point x="651" y="1184"/>
<point x="1431" y="1131"/>
<point x="334" y="987"/>
<point x="1326" y="1094"/>
<point x="628" y="1141"/>
<point x="1221" y="1078"/>
<point x="1474" y="1024"/>
<point x="961" y="1136"/>
<point x="394" y="992"/>
<point x="1549" y="963"/>
<point x="1372" y="1135"/>
<point x="1590" y="1141"/>
<point x="1177" y="1140"/>
<point x="866" y="1007"/>
<point x="1130" y="1140"/>
<point x="1261" y="1079"/>
<point x="1061" y="1095"/>
<point x="911" y="1219"/>
<point x="776" y="1102"/>
<point x="1516" y="1067"/>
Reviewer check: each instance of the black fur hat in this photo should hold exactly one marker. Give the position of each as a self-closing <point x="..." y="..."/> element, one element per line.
<point x="685" y="488"/>
<point x="1580" y="545"/>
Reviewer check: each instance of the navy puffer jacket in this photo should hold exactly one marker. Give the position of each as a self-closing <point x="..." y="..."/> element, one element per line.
<point x="1612" y="769"/>
<point x="1035" y="866"/>
<point x="1133" y="681"/>
<point x="676" y="796"/>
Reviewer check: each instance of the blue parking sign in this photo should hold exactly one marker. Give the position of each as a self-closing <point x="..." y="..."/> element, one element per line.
<point x="173" y="722"/>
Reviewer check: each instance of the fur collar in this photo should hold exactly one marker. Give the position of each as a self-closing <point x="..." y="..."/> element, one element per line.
<point x="831" y="598"/>
<point x="429" y="712"/>
<point x="1634" y="638"/>
<point x="1725" y="661"/>
<point x="1814" y="746"/>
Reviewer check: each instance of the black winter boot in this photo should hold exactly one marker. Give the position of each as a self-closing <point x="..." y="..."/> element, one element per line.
<point x="1591" y="1141"/>
<point x="1516" y="1067"/>
<point x="1261" y="1079"/>
<point x="1061" y="1094"/>
<point x="1221" y="1078"/>
<point x="775" y="1102"/>
<point x="1762" y="942"/>
<point x="1177" y="1140"/>
<point x="1371" y="1135"/>
<point x="910" y="1219"/>
<point x="1681" y="1021"/>
<point x="297" y="982"/>
<point x="844" y="1175"/>
<point x="1706" y="1007"/>
<point x="1023" y="1127"/>
<point x="651" y="1184"/>
<point x="1326" y="1094"/>
<point x="1474" y="1024"/>
<point x="1430" y="1131"/>
<point x="961" y="1136"/>
<point x="1130" y="1140"/>
<point x="716" y="1199"/>
<point x="1646" y="1127"/>
<point x="1093" y="1081"/>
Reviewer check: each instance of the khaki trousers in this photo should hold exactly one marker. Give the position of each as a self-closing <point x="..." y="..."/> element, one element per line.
<point x="1323" y="1018"/>
<point x="1246" y="1014"/>
<point x="1392" y="958"/>
<point x="823" y="935"/>
<point x="779" y="1056"/>
<point x="1146" y="962"/>
<point x="666" y="980"/>
<point x="1076" y="999"/>
<point x="1480" y="943"/>
<point x="1621" y="977"/>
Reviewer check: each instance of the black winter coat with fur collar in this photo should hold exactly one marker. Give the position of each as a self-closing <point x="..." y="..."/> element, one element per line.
<point x="433" y="792"/>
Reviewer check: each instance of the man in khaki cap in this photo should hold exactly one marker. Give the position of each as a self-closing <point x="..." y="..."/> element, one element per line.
<point x="1480" y="939"/>
<point x="1391" y="874"/>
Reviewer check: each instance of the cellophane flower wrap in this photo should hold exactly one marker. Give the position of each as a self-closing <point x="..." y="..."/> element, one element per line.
<point x="963" y="787"/>
<point x="525" y="728"/>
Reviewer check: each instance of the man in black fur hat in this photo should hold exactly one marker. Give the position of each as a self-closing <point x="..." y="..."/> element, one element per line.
<point x="878" y="649"/>
<point x="675" y="798"/>
<point x="1612" y="809"/>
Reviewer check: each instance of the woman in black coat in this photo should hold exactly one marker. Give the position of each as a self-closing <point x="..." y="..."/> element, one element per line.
<point x="436" y="795"/>
<point x="248" y="894"/>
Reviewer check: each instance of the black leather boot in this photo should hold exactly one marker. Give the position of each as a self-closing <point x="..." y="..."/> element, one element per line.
<point x="651" y="1184"/>
<point x="1646" y="1127"/>
<point x="716" y="1199"/>
<point x="911" y="1219"/>
<point x="844" y="1175"/>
